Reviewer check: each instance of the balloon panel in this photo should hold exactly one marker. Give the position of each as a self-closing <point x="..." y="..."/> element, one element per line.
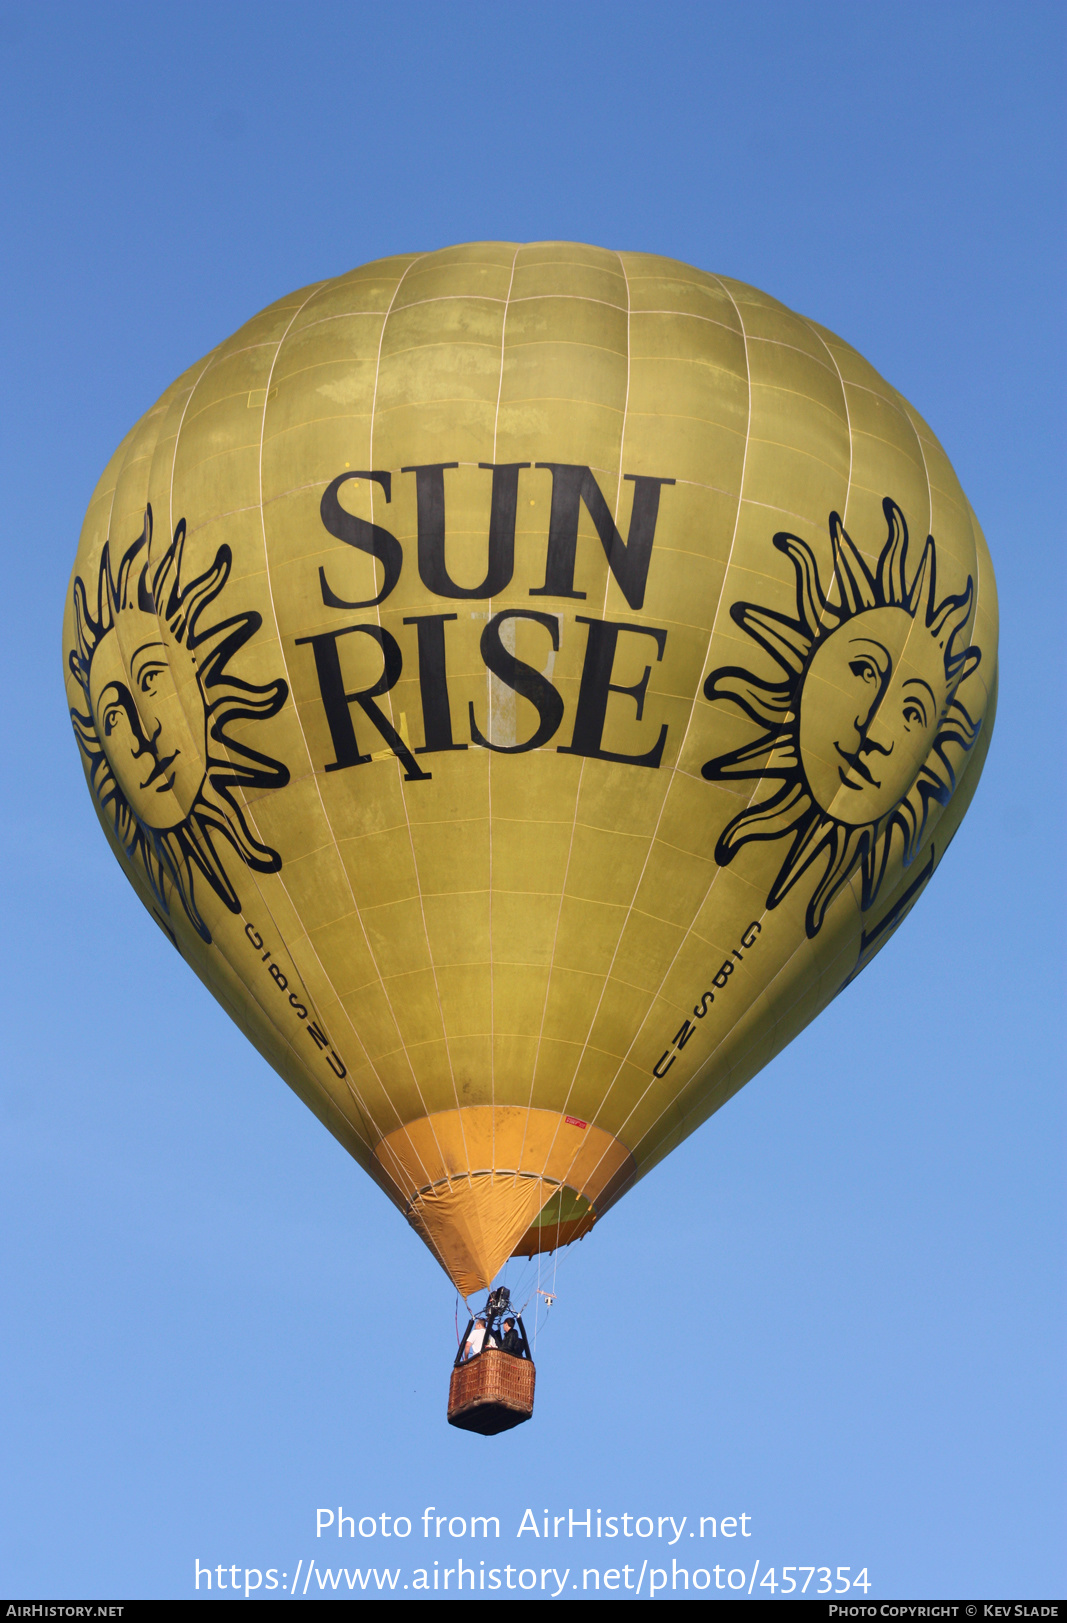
<point x="520" y="682"/>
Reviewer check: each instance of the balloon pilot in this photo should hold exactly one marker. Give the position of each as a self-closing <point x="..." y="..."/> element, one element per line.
<point x="491" y="1330"/>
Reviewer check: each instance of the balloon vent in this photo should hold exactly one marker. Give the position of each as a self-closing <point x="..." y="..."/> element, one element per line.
<point x="491" y="1393"/>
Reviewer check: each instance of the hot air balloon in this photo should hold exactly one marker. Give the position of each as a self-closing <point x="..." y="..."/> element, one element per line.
<point x="526" y="684"/>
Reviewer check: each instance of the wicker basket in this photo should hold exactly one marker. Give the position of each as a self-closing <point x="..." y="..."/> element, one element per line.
<point x="491" y="1393"/>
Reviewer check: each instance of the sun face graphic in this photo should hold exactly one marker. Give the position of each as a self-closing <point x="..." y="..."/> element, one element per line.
<point x="856" y="735"/>
<point x="162" y="766"/>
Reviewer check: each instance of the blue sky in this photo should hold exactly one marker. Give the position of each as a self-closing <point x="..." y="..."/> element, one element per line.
<point x="838" y="1309"/>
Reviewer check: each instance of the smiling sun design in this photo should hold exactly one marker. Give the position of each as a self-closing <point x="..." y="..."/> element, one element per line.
<point x="855" y="736"/>
<point x="162" y="766"/>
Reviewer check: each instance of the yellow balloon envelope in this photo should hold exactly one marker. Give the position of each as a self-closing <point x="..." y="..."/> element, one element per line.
<point x="527" y="684"/>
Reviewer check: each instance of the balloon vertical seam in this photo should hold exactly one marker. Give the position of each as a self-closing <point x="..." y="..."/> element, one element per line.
<point x="365" y="1114"/>
<point x="685" y="734"/>
<point x="603" y="612"/>
<point x="352" y="1088"/>
<point x="489" y="772"/>
<point x="848" y="415"/>
<point x="407" y="820"/>
<point x="381" y="979"/>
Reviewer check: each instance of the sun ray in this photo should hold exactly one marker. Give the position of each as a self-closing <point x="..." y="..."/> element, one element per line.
<point x="958" y="728"/>
<point x="892" y="563"/>
<point x="813" y="606"/>
<point x="811" y="837"/>
<point x="782" y="814"/>
<point x="769" y="703"/>
<point x="785" y="640"/>
<point x="773" y="755"/>
<point x="847" y="847"/>
<point x="855" y="581"/>
<point x="949" y="620"/>
<point x="920" y="594"/>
